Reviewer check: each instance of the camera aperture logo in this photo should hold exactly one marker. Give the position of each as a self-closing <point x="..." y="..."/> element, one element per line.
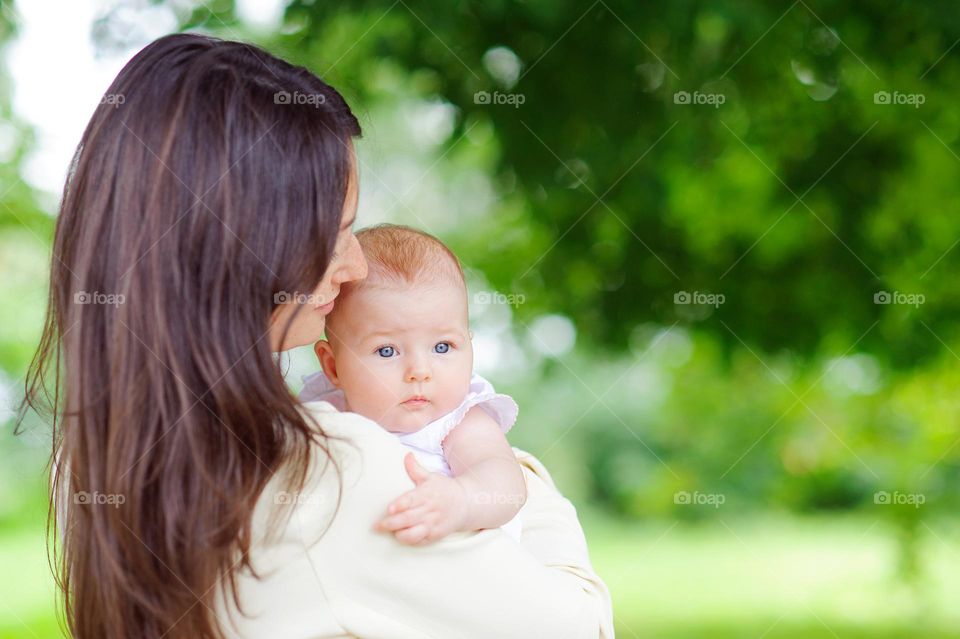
<point x="897" y="98"/>
<point x="96" y="498"/>
<point x="96" y="297"/>
<point x="496" y="297"/>
<point x="697" y="98"/>
<point x="512" y="99"/>
<point x="896" y="498"/>
<point x="696" y="498"/>
<point x="484" y="497"/>
<point x="286" y="297"/>
<point x="897" y="297"/>
<point x="699" y="298"/>
<point x="285" y="498"/>
<point x="312" y="99"/>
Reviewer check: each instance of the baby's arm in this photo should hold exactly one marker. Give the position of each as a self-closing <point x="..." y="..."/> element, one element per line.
<point x="484" y="464"/>
<point x="486" y="491"/>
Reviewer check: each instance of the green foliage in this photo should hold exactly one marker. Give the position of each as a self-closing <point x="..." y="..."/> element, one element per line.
<point x="695" y="197"/>
<point x="800" y="198"/>
<point x="590" y="187"/>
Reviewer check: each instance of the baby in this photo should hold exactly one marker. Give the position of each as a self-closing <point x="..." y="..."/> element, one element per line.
<point x="399" y="351"/>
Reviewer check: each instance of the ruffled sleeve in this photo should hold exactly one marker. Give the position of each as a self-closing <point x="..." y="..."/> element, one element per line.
<point x="500" y="407"/>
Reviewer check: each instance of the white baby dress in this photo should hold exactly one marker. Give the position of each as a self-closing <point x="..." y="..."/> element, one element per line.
<point x="426" y="442"/>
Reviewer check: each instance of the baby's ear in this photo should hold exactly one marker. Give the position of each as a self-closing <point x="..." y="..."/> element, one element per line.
<point x="329" y="363"/>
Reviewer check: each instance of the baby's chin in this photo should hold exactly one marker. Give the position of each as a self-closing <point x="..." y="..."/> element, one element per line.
<point x="406" y="424"/>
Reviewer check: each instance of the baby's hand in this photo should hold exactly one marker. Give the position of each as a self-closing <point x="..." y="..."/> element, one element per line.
<point x="431" y="511"/>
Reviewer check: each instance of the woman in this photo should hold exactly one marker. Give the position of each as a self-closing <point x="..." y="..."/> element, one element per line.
<point x="196" y="497"/>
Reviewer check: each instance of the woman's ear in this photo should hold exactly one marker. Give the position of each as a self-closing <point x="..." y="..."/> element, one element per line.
<point x="329" y="363"/>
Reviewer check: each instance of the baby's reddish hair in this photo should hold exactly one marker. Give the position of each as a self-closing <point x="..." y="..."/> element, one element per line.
<point x="401" y="255"/>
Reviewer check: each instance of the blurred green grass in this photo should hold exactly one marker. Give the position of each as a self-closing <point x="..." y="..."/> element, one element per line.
<point x="786" y="398"/>
<point x="27" y="591"/>
<point x="774" y="576"/>
<point x="771" y="576"/>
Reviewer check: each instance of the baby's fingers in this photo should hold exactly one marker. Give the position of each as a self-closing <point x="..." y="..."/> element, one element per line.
<point x="404" y="502"/>
<point x="414" y="535"/>
<point x="402" y="520"/>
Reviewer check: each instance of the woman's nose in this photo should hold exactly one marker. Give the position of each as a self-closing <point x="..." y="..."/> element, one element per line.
<point x="354" y="265"/>
<point x="358" y="262"/>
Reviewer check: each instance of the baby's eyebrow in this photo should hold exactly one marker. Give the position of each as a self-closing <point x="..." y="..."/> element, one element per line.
<point x="378" y="335"/>
<point x="389" y="334"/>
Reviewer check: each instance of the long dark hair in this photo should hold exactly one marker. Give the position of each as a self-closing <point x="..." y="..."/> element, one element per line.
<point x="211" y="177"/>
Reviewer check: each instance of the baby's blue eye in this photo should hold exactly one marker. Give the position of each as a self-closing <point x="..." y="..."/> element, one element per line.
<point x="442" y="347"/>
<point x="386" y="351"/>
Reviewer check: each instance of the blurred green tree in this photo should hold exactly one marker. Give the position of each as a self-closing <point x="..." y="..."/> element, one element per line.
<point x="798" y="198"/>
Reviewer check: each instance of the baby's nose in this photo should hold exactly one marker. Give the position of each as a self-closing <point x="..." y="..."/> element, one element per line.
<point x="418" y="373"/>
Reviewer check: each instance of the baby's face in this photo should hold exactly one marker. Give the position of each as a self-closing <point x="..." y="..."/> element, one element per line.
<point x="403" y="355"/>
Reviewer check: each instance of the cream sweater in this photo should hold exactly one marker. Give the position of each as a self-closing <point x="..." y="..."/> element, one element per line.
<point x="349" y="580"/>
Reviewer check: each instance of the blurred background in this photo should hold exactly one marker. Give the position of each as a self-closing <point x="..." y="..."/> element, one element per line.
<point x="712" y="252"/>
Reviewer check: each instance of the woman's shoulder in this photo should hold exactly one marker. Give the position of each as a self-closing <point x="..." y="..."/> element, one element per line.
<point x="349" y="437"/>
<point x="353" y="466"/>
<point x="305" y="532"/>
<point x="330" y="421"/>
<point x="327" y="568"/>
<point x="341" y="428"/>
